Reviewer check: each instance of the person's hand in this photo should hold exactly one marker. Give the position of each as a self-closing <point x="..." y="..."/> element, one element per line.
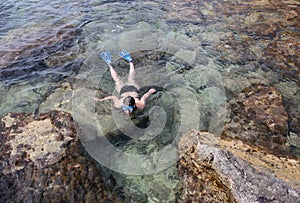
<point x="97" y="99"/>
<point x="152" y="90"/>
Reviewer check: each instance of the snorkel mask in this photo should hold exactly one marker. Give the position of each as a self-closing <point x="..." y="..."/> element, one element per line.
<point x="128" y="105"/>
<point x="128" y="108"/>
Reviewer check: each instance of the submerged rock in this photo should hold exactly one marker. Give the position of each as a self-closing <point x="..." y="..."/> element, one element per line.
<point x="268" y="36"/>
<point x="291" y="95"/>
<point x="60" y="99"/>
<point x="19" y="98"/>
<point x="42" y="160"/>
<point x="219" y="170"/>
<point x="259" y="117"/>
<point x="185" y="11"/>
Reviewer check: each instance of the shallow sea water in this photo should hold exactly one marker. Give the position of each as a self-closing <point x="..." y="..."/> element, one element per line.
<point x="192" y="51"/>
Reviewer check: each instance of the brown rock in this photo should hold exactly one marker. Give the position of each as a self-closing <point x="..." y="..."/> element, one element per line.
<point x="217" y="170"/>
<point x="267" y="104"/>
<point x="184" y="11"/>
<point x="41" y="159"/>
<point x="266" y="30"/>
<point x="259" y="117"/>
<point x="199" y="182"/>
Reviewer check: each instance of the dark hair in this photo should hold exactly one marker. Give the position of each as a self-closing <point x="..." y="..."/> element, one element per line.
<point x="129" y="101"/>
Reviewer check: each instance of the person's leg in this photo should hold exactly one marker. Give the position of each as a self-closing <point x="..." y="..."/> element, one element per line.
<point x="131" y="76"/>
<point x="119" y="84"/>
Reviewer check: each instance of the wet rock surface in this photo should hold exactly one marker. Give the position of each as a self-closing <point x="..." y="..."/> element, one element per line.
<point x="275" y="32"/>
<point x="227" y="170"/>
<point x="253" y="32"/>
<point x="291" y="98"/>
<point x="28" y="56"/>
<point x="42" y="160"/>
<point x="59" y="100"/>
<point x="34" y="60"/>
<point x="258" y="116"/>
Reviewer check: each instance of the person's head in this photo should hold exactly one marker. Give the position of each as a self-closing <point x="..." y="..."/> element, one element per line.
<point x="128" y="105"/>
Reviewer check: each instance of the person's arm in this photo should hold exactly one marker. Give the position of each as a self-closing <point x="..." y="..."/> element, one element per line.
<point x="103" y="99"/>
<point x="115" y="100"/>
<point x="145" y="96"/>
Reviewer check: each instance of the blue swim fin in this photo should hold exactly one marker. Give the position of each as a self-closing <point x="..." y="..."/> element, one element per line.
<point x="125" y="55"/>
<point x="106" y="57"/>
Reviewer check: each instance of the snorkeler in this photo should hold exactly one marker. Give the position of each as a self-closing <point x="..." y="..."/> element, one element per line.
<point x="130" y="100"/>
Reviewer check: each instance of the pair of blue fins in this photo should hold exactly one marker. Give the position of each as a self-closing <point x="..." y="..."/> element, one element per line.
<point x="124" y="54"/>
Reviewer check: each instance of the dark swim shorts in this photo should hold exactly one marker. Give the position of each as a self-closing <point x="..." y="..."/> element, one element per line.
<point x="128" y="88"/>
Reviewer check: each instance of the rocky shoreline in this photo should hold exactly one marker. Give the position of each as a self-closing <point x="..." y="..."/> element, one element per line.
<point x="214" y="169"/>
<point x="42" y="160"/>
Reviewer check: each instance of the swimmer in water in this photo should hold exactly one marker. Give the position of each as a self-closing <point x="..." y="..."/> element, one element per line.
<point x="129" y="100"/>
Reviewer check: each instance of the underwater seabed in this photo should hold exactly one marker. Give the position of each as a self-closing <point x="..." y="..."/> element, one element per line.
<point x="146" y="145"/>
